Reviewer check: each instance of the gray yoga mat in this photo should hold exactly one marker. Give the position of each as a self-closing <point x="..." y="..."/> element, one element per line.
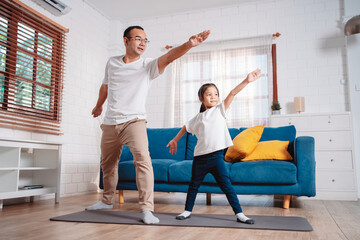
<point x="196" y="220"/>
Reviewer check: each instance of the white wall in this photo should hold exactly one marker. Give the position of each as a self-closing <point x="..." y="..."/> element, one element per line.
<point x="87" y="53"/>
<point x="310" y="50"/>
<point x="352" y="8"/>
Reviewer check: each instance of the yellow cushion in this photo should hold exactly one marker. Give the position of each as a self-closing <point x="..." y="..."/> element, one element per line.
<point x="270" y="150"/>
<point x="244" y="143"/>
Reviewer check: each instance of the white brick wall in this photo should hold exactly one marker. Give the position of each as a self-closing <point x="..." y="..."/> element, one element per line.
<point x="310" y="50"/>
<point x="87" y="53"/>
<point x="353" y="58"/>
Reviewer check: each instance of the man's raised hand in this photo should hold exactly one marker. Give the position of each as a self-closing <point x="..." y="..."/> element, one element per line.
<point x="199" y="38"/>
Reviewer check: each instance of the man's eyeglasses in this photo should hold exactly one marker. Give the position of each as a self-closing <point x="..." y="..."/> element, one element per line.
<point x="140" y="39"/>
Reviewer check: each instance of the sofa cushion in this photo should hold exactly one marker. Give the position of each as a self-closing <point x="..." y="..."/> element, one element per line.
<point x="264" y="172"/>
<point x="192" y="140"/>
<point x="159" y="138"/>
<point x="244" y="143"/>
<point x="234" y="132"/>
<point x="190" y="146"/>
<point x="126" y="155"/>
<point x="286" y="133"/>
<point x="181" y="172"/>
<point x="161" y="168"/>
<point x="265" y="150"/>
<point x="127" y="170"/>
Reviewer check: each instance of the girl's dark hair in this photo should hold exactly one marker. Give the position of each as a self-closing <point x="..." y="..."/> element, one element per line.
<point x="202" y="91"/>
<point x="128" y="30"/>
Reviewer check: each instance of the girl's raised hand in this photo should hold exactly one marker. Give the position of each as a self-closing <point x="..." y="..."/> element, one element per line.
<point x="253" y="76"/>
<point x="173" y="146"/>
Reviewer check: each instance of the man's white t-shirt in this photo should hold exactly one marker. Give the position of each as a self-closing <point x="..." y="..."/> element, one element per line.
<point x="211" y="130"/>
<point x="128" y="86"/>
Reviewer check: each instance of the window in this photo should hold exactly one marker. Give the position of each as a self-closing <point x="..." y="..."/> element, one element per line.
<point x="226" y="65"/>
<point x="31" y="70"/>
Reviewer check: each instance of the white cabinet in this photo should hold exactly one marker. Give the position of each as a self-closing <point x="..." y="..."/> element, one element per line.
<point x="29" y="168"/>
<point x="335" y="167"/>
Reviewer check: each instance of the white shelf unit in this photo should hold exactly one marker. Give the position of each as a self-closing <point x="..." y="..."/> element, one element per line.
<point x="26" y="163"/>
<point x="334" y="155"/>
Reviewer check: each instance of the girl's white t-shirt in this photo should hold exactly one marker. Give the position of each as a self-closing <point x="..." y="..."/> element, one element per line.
<point x="211" y="130"/>
<point x="128" y="86"/>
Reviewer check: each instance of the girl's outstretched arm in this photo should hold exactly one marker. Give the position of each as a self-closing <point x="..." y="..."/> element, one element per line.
<point x="173" y="142"/>
<point x="251" y="77"/>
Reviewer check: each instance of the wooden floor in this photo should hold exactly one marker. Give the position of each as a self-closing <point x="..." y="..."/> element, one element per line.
<point x="329" y="219"/>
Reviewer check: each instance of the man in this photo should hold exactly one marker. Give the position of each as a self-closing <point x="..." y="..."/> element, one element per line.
<point x="125" y="86"/>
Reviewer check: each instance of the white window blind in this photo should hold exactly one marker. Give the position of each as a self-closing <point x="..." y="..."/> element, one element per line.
<point x="32" y="53"/>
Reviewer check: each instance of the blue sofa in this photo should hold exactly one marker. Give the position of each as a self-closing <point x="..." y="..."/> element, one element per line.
<point x="172" y="173"/>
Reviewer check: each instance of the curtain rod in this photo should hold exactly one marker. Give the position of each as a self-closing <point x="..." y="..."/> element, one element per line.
<point x="275" y="35"/>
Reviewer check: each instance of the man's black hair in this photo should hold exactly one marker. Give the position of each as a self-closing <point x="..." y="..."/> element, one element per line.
<point x="128" y="30"/>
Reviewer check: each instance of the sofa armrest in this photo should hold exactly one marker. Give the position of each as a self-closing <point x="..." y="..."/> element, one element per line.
<point x="304" y="157"/>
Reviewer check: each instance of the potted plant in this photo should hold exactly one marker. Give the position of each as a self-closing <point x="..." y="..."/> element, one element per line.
<point x="275" y="107"/>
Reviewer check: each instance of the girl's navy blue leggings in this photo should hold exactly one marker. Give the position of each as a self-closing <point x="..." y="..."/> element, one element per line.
<point x="211" y="163"/>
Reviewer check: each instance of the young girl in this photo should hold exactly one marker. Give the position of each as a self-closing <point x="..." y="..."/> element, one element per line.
<point x="213" y="136"/>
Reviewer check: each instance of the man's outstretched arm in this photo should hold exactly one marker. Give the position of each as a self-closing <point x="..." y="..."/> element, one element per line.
<point x="177" y="52"/>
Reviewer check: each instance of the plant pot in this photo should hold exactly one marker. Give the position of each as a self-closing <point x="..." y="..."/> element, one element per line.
<point x="276" y="112"/>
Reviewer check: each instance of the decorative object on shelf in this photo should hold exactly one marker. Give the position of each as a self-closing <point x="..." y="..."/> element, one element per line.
<point x="352" y="25"/>
<point x="275" y="107"/>
<point x="276" y="35"/>
<point x="299" y="104"/>
<point x="32" y="187"/>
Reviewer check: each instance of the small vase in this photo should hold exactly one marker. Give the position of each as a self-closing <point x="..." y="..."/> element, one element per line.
<point x="276" y="112"/>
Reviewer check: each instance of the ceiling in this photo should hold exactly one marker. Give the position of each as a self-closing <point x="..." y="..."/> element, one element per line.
<point x="129" y="10"/>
